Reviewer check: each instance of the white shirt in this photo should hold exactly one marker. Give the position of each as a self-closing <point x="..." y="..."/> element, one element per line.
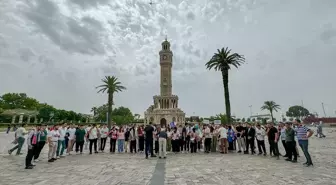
<point x="207" y="133"/>
<point x="260" y="133"/>
<point x="93" y="134"/>
<point x="54" y="134"/>
<point x="222" y="132"/>
<point x="71" y="132"/>
<point x="104" y="132"/>
<point x="20" y="132"/>
<point x="61" y="131"/>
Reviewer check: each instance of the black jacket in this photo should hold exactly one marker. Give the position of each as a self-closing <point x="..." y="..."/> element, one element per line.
<point x="251" y="132"/>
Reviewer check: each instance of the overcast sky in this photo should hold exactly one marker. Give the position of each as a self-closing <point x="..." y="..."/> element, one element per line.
<point x="58" y="51"/>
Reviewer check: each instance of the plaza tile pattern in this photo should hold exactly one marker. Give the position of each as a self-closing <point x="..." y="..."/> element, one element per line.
<point x="179" y="169"/>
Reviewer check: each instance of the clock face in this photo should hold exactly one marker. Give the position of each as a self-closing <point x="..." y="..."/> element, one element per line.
<point x="164" y="57"/>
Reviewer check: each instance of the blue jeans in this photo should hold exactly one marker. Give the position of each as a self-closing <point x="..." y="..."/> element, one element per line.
<point x="304" y="146"/>
<point x="121" y="145"/>
<point x="60" y="147"/>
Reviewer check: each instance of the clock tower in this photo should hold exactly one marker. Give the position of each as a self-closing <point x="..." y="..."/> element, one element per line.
<point x="165" y="108"/>
<point x="166" y="63"/>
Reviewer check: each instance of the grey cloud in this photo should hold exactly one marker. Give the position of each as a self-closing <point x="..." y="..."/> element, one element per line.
<point x="66" y="32"/>
<point x="89" y="3"/>
<point x="190" y="16"/>
<point x="26" y="54"/>
<point x="328" y="35"/>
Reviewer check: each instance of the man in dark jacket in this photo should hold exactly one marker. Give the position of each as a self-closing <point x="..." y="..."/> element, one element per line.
<point x="149" y="140"/>
<point x="250" y="139"/>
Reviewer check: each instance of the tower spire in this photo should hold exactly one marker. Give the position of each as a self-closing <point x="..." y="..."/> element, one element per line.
<point x="166" y="38"/>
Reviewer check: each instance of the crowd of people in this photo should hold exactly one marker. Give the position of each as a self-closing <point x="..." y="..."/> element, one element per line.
<point x="63" y="139"/>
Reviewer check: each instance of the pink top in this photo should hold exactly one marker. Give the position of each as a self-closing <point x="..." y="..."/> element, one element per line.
<point x="121" y="135"/>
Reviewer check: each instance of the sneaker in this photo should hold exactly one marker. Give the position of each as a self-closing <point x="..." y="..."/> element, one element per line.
<point x="9" y="152"/>
<point x="239" y="151"/>
<point x="29" y="167"/>
<point x="294" y="161"/>
<point x="57" y="157"/>
<point x="165" y="157"/>
<point x="288" y="159"/>
<point x="50" y="160"/>
<point x="153" y="155"/>
<point x="159" y="157"/>
<point x="36" y="160"/>
<point x="32" y="164"/>
<point x="54" y="159"/>
<point x="146" y="157"/>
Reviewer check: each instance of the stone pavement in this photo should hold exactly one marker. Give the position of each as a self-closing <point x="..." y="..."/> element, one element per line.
<point x="179" y="169"/>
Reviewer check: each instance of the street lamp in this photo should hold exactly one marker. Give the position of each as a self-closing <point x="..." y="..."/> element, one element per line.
<point x="250" y="109"/>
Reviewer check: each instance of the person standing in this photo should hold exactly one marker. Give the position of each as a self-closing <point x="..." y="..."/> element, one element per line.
<point x="53" y="136"/>
<point x="20" y="139"/>
<point x="93" y="136"/>
<point x="42" y="138"/>
<point x="61" y="142"/>
<point x="272" y="134"/>
<point x="126" y="145"/>
<point x="250" y="139"/>
<point x="87" y="129"/>
<point x="162" y="143"/>
<point x="260" y="134"/>
<point x="32" y="141"/>
<point x="303" y="134"/>
<point x="133" y="140"/>
<point x="223" y="139"/>
<point x="149" y="140"/>
<point x="141" y="139"/>
<point x="80" y="139"/>
<point x="290" y="143"/>
<point x="231" y="138"/>
<point x="193" y="141"/>
<point x="207" y="139"/>
<point x="283" y="138"/>
<point x="121" y="140"/>
<point x="114" y="135"/>
<point x="103" y="137"/>
<point x="71" y="131"/>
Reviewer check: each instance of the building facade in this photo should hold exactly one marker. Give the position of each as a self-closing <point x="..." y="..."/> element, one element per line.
<point x="165" y="108"/>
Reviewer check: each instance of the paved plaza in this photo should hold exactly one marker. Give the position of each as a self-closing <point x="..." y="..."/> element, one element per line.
<point x="179" y="169"/>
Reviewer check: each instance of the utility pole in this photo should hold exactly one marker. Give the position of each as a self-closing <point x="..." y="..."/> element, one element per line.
<point x="302" y="103"/>
<point x="325" y="115"/>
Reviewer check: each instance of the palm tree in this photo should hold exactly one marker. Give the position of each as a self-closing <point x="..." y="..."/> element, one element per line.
<point x="94" y="110"/>
<point x="270" y="106"/>
<point x="222" y="61"/>
<point x="110" y="85"/>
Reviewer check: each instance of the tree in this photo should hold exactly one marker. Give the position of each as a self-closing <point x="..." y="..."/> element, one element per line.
<point x="271" y="106"/>
<point x="253" y="119"/>
<point x="122" y="116"/>
<point x="248" y="120"/>
<point x="243" y="120"/>
<point x="297" y="111"/>
<point x="110" y="85"/>
<point x="223" y="61"/>
<point x="284" y="119"/>
<point x="94" y="110"/>
<point x="222" y="117"/>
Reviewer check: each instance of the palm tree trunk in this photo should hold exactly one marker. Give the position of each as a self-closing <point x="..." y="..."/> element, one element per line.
<point x="109" y="110"/>
<point x="225" y="75"/>
<point x="272" y="115"/>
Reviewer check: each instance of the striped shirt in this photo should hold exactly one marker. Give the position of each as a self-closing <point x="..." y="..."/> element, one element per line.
<point x="301" y="132"/>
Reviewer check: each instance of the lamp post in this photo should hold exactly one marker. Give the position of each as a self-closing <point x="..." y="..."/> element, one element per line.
<point x="250" y="109"/>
